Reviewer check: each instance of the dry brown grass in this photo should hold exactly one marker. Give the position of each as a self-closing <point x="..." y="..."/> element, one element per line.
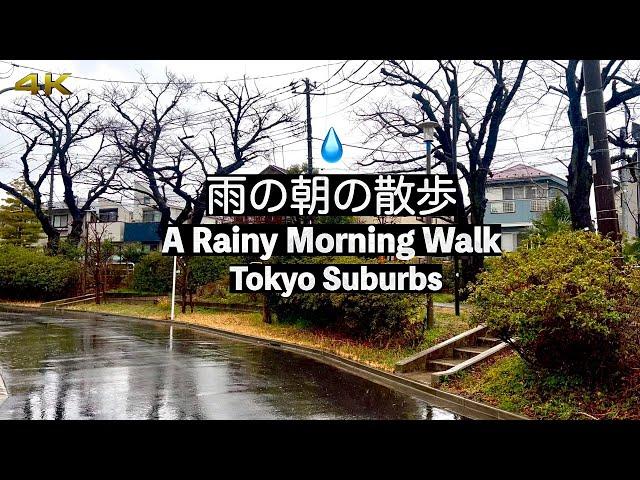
<point x="21" y="303"/>
<point x="384" y="358"/>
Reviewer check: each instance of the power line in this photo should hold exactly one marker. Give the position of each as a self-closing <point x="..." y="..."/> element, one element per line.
<point x="138" y="82"/>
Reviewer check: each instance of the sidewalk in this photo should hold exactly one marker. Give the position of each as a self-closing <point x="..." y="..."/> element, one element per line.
<point x="450" y="305"/>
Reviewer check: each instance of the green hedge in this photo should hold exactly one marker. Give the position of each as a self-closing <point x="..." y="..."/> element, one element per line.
<point x="205" y="270"/>
<point x="26" y="273"/>
<point x="564" y="305"/>
<point x="153" y="273"/>
<point x="380" y="317"/>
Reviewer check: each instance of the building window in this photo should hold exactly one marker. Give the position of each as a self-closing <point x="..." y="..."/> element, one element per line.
<point x="503" y="207"/>
<point x="110" y="215"/>
<point x="507" y="193"/>
<point x="539" y="205"/>
<point x="518" y="193"/>
<point x="60" y="221"/>
<point x="536" y="192"/>
<point x="150" y="216"/>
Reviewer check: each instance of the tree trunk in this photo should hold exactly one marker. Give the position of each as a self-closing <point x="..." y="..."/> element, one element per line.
<point x="266" y="310"/>
<point x="461" y="216"/>
<point x="53" y="242"/>
<point x="579" y="180"/>
<point x="53" y="235"/>
<point x="478" y="197"/>
<point x="197" y="216"/>
<point x="75" y="235"/>
<point x="473" y="264"/>
<point x="199" y="208"/>
<point x="165" y="218"/>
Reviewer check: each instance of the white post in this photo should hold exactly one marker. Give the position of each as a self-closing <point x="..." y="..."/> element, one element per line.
<point x="173" y="290"/>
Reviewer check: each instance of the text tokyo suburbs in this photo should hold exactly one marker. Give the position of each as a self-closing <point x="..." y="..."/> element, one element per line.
<point x="292" y="195"/>
<point x="402" y="241"/>
<point x="288" y="279"/>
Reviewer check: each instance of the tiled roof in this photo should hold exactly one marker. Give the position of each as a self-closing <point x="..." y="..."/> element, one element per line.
<point x="273" y="168"/>
<point x="519" y="171"/>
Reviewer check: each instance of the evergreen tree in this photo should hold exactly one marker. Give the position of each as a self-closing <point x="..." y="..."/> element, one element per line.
<point x="556" y="218"/>
<point x="18" y="224"/>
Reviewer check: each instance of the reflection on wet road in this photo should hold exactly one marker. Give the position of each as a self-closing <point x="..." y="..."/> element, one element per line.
<point x="56" y="368"/>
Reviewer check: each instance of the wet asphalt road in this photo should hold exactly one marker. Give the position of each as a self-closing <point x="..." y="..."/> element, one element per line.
<point x="56" y="368"/>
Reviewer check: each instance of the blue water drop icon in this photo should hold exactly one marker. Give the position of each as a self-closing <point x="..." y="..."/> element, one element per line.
<point x="331" y="147"/>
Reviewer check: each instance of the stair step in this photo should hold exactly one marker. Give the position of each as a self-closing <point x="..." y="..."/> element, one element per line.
<point x="422" y="377"/>
<point x="441" y="364"/>
<point x="489" y="341"/>
<point x="468" y="352"/>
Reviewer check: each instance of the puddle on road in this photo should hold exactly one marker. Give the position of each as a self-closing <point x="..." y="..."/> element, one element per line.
<point x="81" y="369"/>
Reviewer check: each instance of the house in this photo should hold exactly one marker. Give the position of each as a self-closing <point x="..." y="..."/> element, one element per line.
<point x="273" y="170"/>
<point x="254" y="219"/>
<point x="628" y="218"/>
<point x="120" y="222"/>
<point x="516" y="196"/>
<point x="137" y="219"/>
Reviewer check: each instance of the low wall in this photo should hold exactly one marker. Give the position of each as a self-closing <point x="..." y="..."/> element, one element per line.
<point x="123" y="298"/>
<point x="3" y="390"/>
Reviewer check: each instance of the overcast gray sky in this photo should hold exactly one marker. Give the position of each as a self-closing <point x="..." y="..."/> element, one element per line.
<point x="525" y="139"/>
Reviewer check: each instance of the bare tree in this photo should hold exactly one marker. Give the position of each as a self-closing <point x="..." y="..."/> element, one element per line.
<point x="185" y="283"/>
<point x="241" y="129"/>
<point x="174" y="150"/>
<point x="567" y="80"/>
<point x="98" y="252"/>
<point x="143" y="131"/>
<point x="453" y="88"/>
<point x="34" y="174"/>
<point x="73" y="135"/>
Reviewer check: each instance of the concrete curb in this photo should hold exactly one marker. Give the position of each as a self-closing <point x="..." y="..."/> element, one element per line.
<point x="438" y="398"/>
<point x="3" y="390"/>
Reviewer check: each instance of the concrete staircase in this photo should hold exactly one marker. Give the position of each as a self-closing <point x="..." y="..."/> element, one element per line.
<point x="451" y="356"/>
<point x="63" y="302"/>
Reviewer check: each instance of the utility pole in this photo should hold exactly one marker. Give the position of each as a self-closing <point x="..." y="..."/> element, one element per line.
<point x="309" y="86"/>
<point x="307" y="92"/>
<point x="596" y="120"/>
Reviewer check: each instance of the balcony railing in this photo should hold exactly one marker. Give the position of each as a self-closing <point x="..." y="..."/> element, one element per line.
<point x="509" y="206"/>
<point x="539" y="205"/>
<point x="504" y="206"/>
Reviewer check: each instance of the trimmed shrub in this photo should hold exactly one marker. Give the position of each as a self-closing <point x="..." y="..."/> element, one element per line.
<point x="206" y="270"/>
<point x="133" y="252"/>
<point x="563" y="305"/>
<point x="26" y="273"/>
<point x="448" y="276"/>
<point x="153" y="274"/>
<point x="379" y="317"/>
